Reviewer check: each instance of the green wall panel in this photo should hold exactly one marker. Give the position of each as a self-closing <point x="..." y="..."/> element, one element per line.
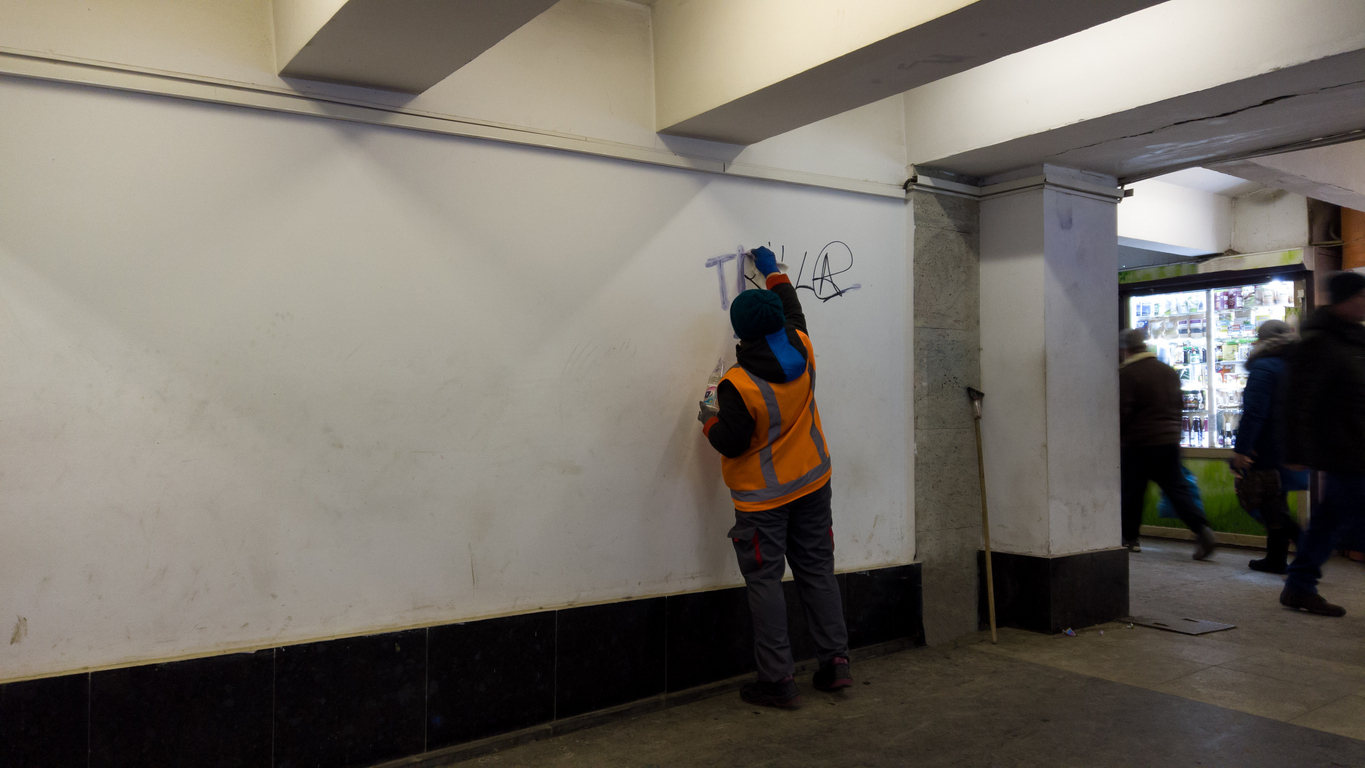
<point x="1220" y="500"/>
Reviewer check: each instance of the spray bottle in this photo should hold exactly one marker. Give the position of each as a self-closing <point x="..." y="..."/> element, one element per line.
<point x="709" y="399"/>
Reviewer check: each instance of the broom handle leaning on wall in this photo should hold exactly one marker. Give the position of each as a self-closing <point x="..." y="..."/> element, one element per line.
<point x="977" y="396"/>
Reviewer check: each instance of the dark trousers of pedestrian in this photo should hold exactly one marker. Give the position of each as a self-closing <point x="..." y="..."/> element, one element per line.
<point x="798" y="533"/>
<point x="1340" y="516"/>
<point x="1160" y="464"/>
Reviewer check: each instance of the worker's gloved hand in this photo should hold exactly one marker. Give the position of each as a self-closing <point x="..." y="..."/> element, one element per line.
<point x="765" y="260"/>
<point x="707" y="412"/>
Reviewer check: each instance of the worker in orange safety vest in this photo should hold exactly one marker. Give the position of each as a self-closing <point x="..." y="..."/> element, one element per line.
<point x="775" y="460"/>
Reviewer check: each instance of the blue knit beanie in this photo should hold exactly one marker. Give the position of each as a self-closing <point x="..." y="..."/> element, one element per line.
<point x="757" y="313"/>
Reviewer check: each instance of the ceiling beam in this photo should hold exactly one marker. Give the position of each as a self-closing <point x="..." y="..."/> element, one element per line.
<point x="1335" y="173"/>
<point x="396" y="45"/>
<point x="741" y="71"/>
<point x="1184" y="83"/>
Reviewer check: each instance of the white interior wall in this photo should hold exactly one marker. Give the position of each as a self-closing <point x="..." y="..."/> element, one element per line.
<point x="709" y="52"/>
<point x="231" y="41"/>
<point x="295" y="23"/>
<point x="266" y="379"/>
<point x="1175" y="219"/>
<point x="1269" y="220"/>
<point x="867" y="143"/>
<point x="584" y="68"/>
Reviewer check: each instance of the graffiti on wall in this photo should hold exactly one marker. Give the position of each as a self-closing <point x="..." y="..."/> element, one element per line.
<point x="820" y="275"/>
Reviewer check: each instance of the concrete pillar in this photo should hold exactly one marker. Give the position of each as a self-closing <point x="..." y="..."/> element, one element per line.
<point x="943" y="231"/>
<point x="1049" y="368"/>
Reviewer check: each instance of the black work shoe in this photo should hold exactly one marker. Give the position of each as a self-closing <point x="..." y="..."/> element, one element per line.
<point x="833" y="676"/>
<point x="782" y="694"/>
<point x="1266" y="565"/>
<point x="1207" y="543"/>
<point x="1133" y="545"/>
<point x="1309" y="601"/>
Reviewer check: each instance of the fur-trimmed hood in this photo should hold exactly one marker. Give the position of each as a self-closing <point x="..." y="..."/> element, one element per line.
<point x="1276" y="346"/>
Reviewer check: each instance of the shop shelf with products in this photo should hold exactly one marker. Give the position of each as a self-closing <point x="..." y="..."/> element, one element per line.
<point x="1207" y="336"/>
<point x="1240" y="293"/>
<point x="1177" y="333"/>
<point x="1237" y="314"/>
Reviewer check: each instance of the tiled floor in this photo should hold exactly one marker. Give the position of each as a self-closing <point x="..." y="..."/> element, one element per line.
<point x="1287" y="666"/>
<point x="1282" y="689"/>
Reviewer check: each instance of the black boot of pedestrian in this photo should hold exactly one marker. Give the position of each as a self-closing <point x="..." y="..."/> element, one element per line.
<point x="1267" y="565"/>
<point x="1276" y="552"/>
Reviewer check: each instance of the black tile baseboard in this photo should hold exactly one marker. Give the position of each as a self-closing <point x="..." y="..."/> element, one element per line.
<point x="489" y="677"/>
<point x="352" y="702"/>
<point x="444" y="757"/>
<point x="1051" y="594"/>
<point x="710" y="637"/>
<point x="205" y="711"/>
<point x="884" y="605"/>
<point x="355" y="702"/>
<point x="609" y="654"/>
<point x="45" y="723"/>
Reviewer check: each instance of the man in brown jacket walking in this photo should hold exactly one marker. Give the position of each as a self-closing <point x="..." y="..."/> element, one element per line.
<point x="1149" y="435"/>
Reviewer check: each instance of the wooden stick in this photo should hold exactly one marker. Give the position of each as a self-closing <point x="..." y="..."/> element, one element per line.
<point x="977" y="396"/>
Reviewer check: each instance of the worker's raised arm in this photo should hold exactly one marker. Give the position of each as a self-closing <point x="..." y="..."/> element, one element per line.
<point x="766" y="262"/>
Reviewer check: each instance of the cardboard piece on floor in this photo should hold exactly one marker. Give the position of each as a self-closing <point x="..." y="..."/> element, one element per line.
<point x="1183" y="626"/>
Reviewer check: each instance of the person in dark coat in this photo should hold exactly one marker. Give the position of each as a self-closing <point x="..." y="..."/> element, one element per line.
<point x="1149" y="436"/>
<point x="1260" y="437"/>
<point x="1325" y="430"/>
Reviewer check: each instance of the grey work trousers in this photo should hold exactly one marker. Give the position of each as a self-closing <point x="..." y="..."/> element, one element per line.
<point x="800" y="532"/>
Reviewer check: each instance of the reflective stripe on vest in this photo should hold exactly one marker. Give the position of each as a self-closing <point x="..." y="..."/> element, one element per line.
<point x="815" y="435"/>
<point x="765" y="454"/>
<point x="758" y="465"/>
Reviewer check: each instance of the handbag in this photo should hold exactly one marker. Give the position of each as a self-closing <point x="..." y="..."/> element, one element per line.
<point x="1256" y="487"/>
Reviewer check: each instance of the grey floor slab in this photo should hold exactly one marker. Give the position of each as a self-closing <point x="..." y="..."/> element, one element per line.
<point x="951" y="708"/>
<point x="1164" y="580"/>
<point x="1283" y="689"/>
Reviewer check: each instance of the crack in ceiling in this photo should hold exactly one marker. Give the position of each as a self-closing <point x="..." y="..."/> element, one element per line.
<point x="1205" y="118"/>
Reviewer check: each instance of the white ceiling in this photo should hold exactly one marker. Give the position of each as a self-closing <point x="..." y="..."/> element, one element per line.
<point x="1210" y="181"/>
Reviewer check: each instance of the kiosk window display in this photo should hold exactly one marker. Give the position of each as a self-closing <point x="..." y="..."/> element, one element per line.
<point x="1207" y="335"/>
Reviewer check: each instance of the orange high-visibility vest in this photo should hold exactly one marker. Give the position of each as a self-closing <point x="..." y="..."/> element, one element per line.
<point x="786" y="458"/>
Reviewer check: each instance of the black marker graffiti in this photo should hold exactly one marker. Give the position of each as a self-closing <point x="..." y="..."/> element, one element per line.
<point x="822" y="274"/>
<point x="834" y="259"/>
